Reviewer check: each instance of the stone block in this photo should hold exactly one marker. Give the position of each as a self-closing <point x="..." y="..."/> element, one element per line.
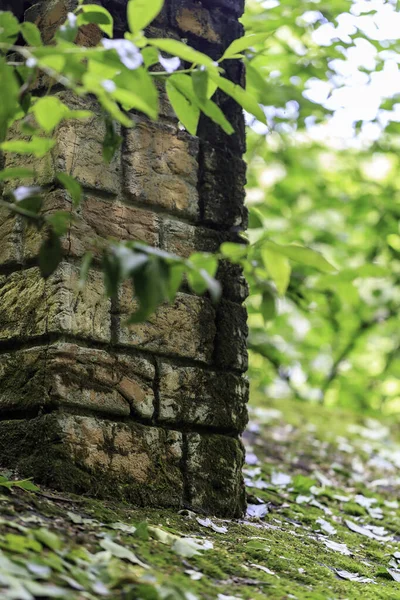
<point x="184" y="239"/>
<point x="194" y="396"/>
<point x="214" y="474"/>
<point x="78" y="151"/>
<point x="98" y="457"/>
<point x="11" y="228"/>
<point x="97" y="220"/>
<point x="231" y="338"/>
<point x="160" y="168"/>
<point x="234" y="284"/>
<point x="48" y="15"/>
<point x="236" y="7"/>
<point x="221" y="189"/>
<point x="185" y="328"/>
<point x="66" y="374"/>
<point x="211" y="23"/>
<point x="32" y="307"/>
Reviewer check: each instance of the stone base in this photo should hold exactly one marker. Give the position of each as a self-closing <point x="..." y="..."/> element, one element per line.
<point x="148" y="466"/>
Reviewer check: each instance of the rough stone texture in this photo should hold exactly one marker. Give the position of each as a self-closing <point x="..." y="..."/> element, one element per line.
<point x="152" y="412"/>
<point x="231" y="339"/>
<point x="79" y="143"/>
<point x="185" y="328"/>
<point x="96" y="220"/>
<point x="160" y="167"/>
<point x="214" y="464"/>
<point x="32" y="307"/>
<point x="222" y="184"/>
<point x="196" y="396"/>
<point x="10" y="236"/>
<point x="83" y="453"/>
<point x="70" y="375"/>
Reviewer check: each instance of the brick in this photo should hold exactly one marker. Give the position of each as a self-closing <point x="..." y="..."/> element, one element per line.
<point x="184" y="329"/>
<point x="236" y="7"/>
<point x="97" y="457"/>
<point x="184" y="239"/>
<point x="31" y="306"/>
<point x="66" y="374"/>
<point x="48" y="15"/>
<point x="214" y="474"/>
<point x="10" y="237"/>
<point x="234" y="284"/>
<point x="97" y="220"/>
<point x="211" y="24"/>
<point x="221" y="189"/>
<point x="231" y="338"/>
<point x="78" y="151"/>
<point x="160" y="168"/>
<point x="194" y="396"/>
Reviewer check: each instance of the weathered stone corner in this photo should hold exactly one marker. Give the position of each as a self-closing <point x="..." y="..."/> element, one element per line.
<point x="151" y="413"/>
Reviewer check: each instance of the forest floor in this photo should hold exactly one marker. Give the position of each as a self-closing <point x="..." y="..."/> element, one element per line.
<point x="323" y="523"/>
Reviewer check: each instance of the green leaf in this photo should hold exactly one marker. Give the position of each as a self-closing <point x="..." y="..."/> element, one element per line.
<point x="234" y="252"/>
<point x="242" y="97"/>
<point x="200" y="84"/>
<point x="176" y="272"/>
<point x="37" y="146"/>
<point x="187" y="113"/>
<point x="176" y="48"/>
<point x="16" y="173"/>
<point x="243" y="43"/>
<point x="121" y="552"/>
<point x="184" y="85"/>
<point x="49" y="112"/>
<point x="268" y="306"/>
<point x="92" y="13"/>
<point x="9" y="105"/>
<point x="136" y="90"/>
<point x="112" y="140"/>
<point x="142" y="12"/>
<point x="28" y="198"/>
<point x="151" y="287"/>
<point x="50" y="255"/>
<point x="31" y="34"/>
<point x="72" y="186"/>
<point x="113" y="109"/>
<point x="48" y="538"/>
<point x="302" y="255"/>
<point x="9" y="28"/>
<point x="84" y="270"/>
<point x="278" y="267"/>
<point x="59" y="222"/>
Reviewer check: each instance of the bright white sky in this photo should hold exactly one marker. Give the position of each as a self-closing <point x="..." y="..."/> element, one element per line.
<point x="353" y="94"/>
<point x="360" y="94"/>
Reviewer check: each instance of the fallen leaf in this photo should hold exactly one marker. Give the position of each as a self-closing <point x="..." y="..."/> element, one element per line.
<point x="326" y="526"/>
<point x="337" y="547"/>
<point x="280" y="479"/>
<point x="208" y="523"/>
<point x="353" y="576"/>
<point x="395" y="574"/>
<point x="188" y="547"/>
<point x="121" y="552"/>
<point x="262" y="568"/>
<point x="367" y="532"/>
<point x="256" y="511"/>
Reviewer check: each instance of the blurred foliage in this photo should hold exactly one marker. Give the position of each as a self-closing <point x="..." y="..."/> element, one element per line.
<point x="336" y="337"/>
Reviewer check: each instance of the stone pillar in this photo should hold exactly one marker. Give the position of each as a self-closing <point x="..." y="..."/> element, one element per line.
<point x="150" y="413"/>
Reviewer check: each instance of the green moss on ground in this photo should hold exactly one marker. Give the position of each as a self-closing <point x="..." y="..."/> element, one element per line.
<point x="311" y="469"/>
